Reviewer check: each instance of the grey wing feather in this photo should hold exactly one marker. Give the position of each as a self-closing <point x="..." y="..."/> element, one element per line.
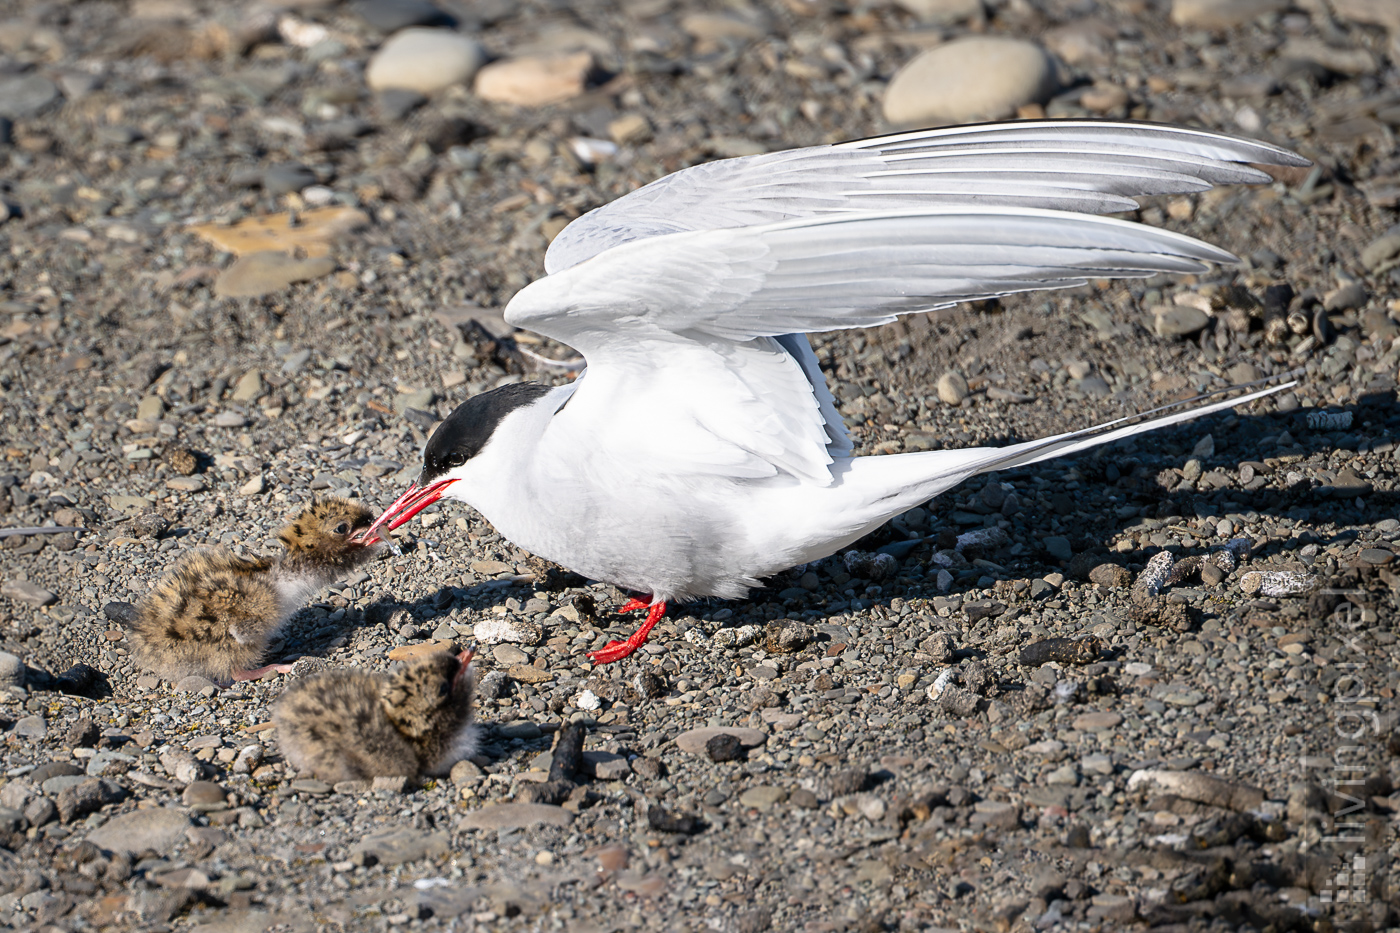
<point x="836" y="271"/>
<point x="1087" y="166"/>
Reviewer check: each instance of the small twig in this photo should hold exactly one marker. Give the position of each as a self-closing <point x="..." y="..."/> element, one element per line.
<point x="47" y="530"/>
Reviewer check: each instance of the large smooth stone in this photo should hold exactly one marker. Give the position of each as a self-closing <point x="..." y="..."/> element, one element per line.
<point x="979" y="77"/>
<point x="424" y="60"/>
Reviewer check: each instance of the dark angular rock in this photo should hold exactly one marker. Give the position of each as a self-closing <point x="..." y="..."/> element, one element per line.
<point x="665" y="821"/>
<point x="84" y="798"/>
<point x="1062" y="650"/>
<point x="724" y="747"/>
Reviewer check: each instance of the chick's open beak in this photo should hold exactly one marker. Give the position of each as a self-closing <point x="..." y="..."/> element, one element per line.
<point x="464" y="661"/>
<point x="415" y="500"/>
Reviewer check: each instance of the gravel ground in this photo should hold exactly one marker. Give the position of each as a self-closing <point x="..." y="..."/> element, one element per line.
<point x="912" y="749"/>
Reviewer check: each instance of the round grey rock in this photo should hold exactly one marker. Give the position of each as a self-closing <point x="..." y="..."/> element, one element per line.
<point x="285" y="179"/>
<point x="25" y="95"/>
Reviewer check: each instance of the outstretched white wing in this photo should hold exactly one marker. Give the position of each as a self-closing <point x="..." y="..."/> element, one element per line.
<point x="688" y="297"/>
<point x="681" y="331"/>
<point x="1092" y="167"/>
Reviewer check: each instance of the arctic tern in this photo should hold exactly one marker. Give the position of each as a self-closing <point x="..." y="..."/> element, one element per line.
<point x="701" y="450"/>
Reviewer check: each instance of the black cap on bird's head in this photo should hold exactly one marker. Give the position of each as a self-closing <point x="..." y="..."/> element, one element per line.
<point x="461" y="436"/>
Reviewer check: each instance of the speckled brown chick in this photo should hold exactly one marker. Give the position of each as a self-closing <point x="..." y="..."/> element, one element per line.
<point x="214" y="614"/>
<point x="354" y="726"/>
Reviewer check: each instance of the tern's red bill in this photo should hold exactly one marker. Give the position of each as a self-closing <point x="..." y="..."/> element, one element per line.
<point x="406" y="506"/>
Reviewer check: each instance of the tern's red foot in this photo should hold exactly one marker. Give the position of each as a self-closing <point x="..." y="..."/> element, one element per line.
<point x="617" y="650"/>
<point x="259" y="673"/>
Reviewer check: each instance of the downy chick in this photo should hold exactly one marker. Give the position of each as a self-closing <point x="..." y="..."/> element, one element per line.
<point x="354" y="726"/>
<point x="215" y="613"/>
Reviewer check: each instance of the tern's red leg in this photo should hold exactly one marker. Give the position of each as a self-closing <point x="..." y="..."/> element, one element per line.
<point x="259" y="673"/>
<point x="617" y="650"/>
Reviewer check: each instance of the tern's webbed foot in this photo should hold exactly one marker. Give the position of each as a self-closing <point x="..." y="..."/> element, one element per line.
<point x="617" y="650"/>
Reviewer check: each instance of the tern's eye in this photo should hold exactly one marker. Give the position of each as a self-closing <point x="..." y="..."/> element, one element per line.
<point x="342" y="528"/>
<point x="456" y="459"/>
<point x="443" y="688"/>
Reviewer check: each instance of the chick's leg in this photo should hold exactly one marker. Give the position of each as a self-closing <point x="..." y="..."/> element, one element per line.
<point x="258" y="673"/>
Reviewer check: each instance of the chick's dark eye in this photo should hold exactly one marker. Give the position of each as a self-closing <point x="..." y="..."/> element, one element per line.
<point x="342" y="528"/>
<point x="443" y="688"/>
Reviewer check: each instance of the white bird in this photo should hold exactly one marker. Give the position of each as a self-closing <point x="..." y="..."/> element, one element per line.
<point x="701" y="450"/>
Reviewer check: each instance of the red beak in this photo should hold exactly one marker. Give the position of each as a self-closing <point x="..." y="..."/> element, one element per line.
<point x="406" y="506"/>
<point x="464" y="659"/>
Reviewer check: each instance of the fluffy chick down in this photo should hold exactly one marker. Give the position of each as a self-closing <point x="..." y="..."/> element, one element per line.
<point x="355" y="726"/>
<point x="215" y="612"/>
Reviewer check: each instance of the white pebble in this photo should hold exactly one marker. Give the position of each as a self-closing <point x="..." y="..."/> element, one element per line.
<point x="940" y="683"/>
<point x="588" y="700"/>
<point x="1149" y="582"/>
<point x="983" y="537"/>
<point x="1277" y="582"/>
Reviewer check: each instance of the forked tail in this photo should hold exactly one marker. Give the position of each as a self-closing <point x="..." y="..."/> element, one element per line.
<point x="871" y="490"/>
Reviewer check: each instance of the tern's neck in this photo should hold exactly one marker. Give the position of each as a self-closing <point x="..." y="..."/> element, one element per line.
<point x="492" y="482"/>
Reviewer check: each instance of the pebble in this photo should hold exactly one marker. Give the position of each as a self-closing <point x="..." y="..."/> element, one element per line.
<point x="976" y="77"/>
<point x="266" y="272"/>
<point x="424" y="60"/>
<point x="944" y="12"/>
<point x="694" y="741"/>
<point x="1062" y="650"/>
<point x="1178" y="320"/>
<point x="952" y="388"/>
<point x="1154" y="575"/>
<point x="515" y="816"/>
<point x="420" y="650"/>
<point x="1381" y="252"/>
<point x="1096" y="722"/>
<point x="534" y="80"/>
<point x="787" y="636"/>
<point x="288" y="178"/>
<point x="505" y="629"/>
<point x="400" y="845"/>
<point x="393" y="15"/>
<point x="31" y="594"/>
<point x="763" y="797"/>
<point x="1059" y="547"/>
<point x="11" y="671"/>
<point x="158" y="829"/>
<point x="31" y="727"/>
<point x="23" y="96"/>
<point x="204" y="794"/>
<point x="724" y="747"/>
<point x="1222" y="14"/>
<point x="1277" y="582"/>
<point x="1200" y="787"/>
<point x="86" y="796"/>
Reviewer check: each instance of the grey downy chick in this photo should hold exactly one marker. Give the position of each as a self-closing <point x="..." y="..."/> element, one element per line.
<point x="355" y="726"/>
<point x="214" y="614"/>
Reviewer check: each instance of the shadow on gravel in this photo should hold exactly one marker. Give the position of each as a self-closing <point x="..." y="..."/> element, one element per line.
<point x="309" y="634"/>
<point x="79" y="680"/>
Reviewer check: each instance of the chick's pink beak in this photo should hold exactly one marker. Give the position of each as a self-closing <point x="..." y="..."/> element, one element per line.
<point x="406" y="506"/>
<point x="464" y="661"/>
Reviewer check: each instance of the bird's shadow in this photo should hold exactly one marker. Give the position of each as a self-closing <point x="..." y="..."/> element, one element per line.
<point x="310" y="633"/>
